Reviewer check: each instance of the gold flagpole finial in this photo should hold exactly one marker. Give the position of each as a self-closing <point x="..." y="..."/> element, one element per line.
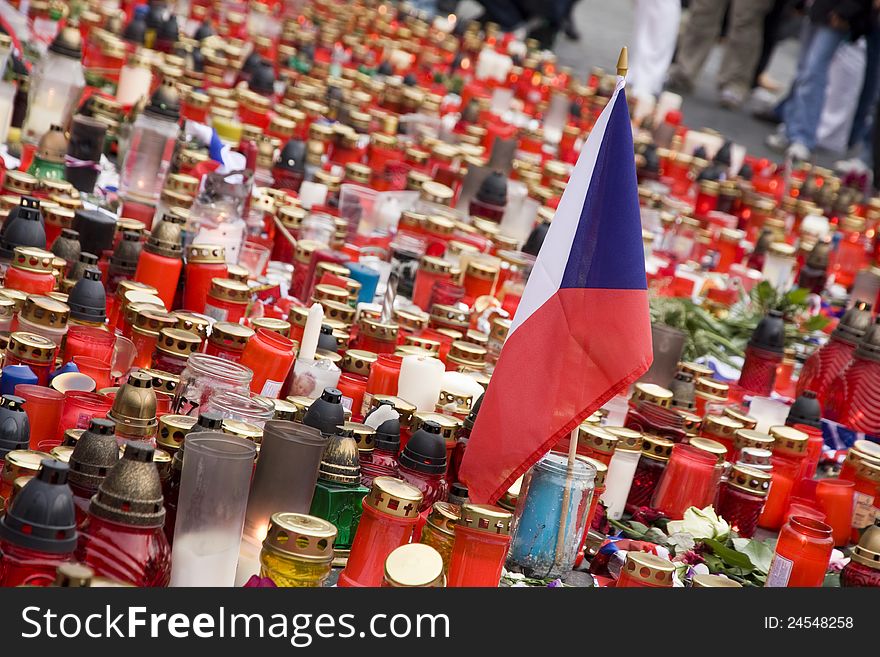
<point x="623" y="62"/>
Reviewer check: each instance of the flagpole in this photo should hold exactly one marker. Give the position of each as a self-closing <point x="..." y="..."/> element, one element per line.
<point x="566" y="497"/>
<point x="622" y="68"/>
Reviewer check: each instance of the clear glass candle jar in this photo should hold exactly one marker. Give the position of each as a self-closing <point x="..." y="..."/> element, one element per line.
<point x="242" y="405"/>
<point x="652" y="463"/>
<point x="391" y="511"/>
<point x="645" y="570"/>
<point x="543" y="506"/>
<point x="687" y="481"/>
<point x="297" y="550"/>
<point x="802" y="554"/>
<point x="741" y="498"/>
<point x="482" y="540"/>
<point x="205" y="375"/>
<point x="227" y="300"/>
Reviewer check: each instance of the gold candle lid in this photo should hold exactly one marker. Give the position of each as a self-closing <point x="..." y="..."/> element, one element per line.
<point x="449" y="425"/>
<point x="649" y="568"/>
<point x="750" y="480"/>
<point x="364" y="436"/>
<point x="45" y="311"/>
<point x="229" y="290"/>
<point x="414" y="565"/>
<point x="237" y="273"/>
<point x="188" y="321"/>
<point x="652" y="393"/>
<point x="601" y="470"/>
<point x="721" y="425"/>
<point x="173" y="429"/>
<point x="285" y="410"/>
<point x="627" y="439"/>
<point x="690" y="422"/>
<point x="205" y="253"/>
<point x="485" y="518"/>
<point x="432" y="346"/>
<point x="339" y="311"/>
<point x="30" y="258"/>
<point x="412" y="320"/>
<point x="747" y="421"/>
<point x="394" y="497"/>
<point x="714" y="582"/>
<point x="788" y="440"/>
<point x="325" y="292"/>
<point x="152" y="320"/>
<point x="301" y="536"/>
<point x="327" y="267"/>
<point x="444" y="516"/>
<point x="22" y="463"/>
<point x="449" y="316"/>
<point x="711" y="389"/>
<point x="230" y="335"/>
<point x="481" y="269"/>
<point x="242" y="429"/>
<point x="356" y="361"/>
<point x="378" y="330"/>
<point x="403" y="407"/>
<point x="178" y="342"/>
<point x="16" y="296"/>
<point x="657" y="448"/>
<point x="162" y="382"/>
<point x="280" y="326"/>
<point x="31" y="347"/>
<point x="751" y="438"/>
<point x="596" y="438"/>
<point x="696" y="370"/>
<point x="465" y="353"/>
<point x="709" y="446"/>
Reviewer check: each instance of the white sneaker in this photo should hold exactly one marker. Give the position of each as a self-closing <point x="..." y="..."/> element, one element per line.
<point x="797" y="152"/>
<point x="852" y="165"/>
<point x="777" y="141"/>
<point x="731" y="97"/>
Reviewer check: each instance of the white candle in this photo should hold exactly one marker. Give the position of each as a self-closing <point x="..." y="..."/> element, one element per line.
<point x="419" y="382"/>
<point x="312" y="193"/>
<point x="311" y="333"/>
<point x="134" y="84"/>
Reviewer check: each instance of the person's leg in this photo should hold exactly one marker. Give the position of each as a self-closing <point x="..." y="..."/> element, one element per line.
<point x="772" y="23"/>
<point x="742" y="49"/>
<point x="507" y="14"/>
<point x="568" y="24"/>
<point x="803" y="110"/>
<point x="696" y="41"/>
<point x="655" y="30"/>
<point x="859" y="133"/>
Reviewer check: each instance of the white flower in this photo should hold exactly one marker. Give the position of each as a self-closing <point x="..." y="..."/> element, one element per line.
<point x="701" y="523"/>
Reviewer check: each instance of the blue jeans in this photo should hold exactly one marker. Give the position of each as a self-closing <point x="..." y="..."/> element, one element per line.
<point x="861" y="130"/>
<point x="803" y="109"/>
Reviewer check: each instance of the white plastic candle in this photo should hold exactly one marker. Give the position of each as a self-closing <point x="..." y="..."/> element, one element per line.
<point x="311" y="333"/>
<point x="618" y="481"/>
<point x="312" y="193"/>
<point x="420" y="380"/>
<point x="134" y="83"/>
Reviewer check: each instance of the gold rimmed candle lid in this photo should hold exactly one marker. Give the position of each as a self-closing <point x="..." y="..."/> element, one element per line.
<point x="751" y="438"/>
<point x="657" y="448"/>
<point x="356" y="361"/>
<point x="750" y="480"/>
<point x="280" y="326"/>
<point x="710" y="446"/>
<point x="45" y="311"/>
<point x="230" y="335"/>
<point x="443" y="516"/>
<point x="302" y="536"/>
<point x="485" y="518"/>
<point x="744" y="419"/>
<point x="649" y="568"/>
<point x="596" y="438"/>
<point x="627" y="439"/>
<point x="652" y="393"/>
<point x="414" y="565"/>
<point x="394" y="497"/>
<point x="178" y="342"/>
<point x="30" y="347"/>
<point x="788" y="440"/>
<point x="173" y="429"/>
<point x="721" y="425"/>
<point x="704" y="581"/>
<point x="601" y="470"/>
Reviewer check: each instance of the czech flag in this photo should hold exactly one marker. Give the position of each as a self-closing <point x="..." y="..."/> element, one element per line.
<point x="582" y="332"/>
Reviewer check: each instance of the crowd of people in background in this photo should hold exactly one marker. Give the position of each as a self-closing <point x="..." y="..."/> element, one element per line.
<point x="835" y="89"/>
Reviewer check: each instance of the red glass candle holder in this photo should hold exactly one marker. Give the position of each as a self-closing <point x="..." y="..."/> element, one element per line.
<point x="786" y="469"/>
<point x="80" y="407"/>
<point x="270" y="356"/>
<point x="88" y="341"/>
<point x="97" y="369"/>
<point x="688" y="481"/>
<point x="482" y="540"/>
<point x="802" y="554"/>
<point x="741" y="499"/>
<point x="390" y="514"/>
<point x="383" y="379"/>
<point x="43" y="407"/>
<point x="353" y="387"/>
<point x="204" y="263"/>
<point x="759" y="370"/>
<point x="162" y="272"/>
<point x="835" y="498"/>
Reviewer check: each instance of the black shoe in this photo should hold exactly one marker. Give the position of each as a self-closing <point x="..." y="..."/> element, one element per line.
<point x="570" y="30"/>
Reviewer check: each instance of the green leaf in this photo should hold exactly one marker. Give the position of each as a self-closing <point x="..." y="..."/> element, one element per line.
<point x="655" y="535"/>
<point x="730" y="557"/>
<point x="758" y="553"/>
<point x="816" y="323"/>
<point x="796" y="297"/>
